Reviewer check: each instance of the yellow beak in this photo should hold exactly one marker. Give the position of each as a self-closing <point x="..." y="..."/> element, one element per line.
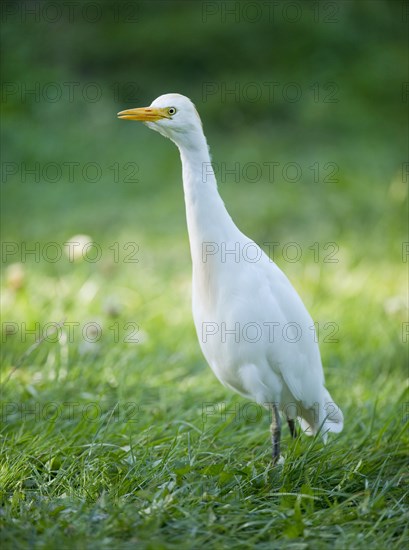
<point x="144" y="114"/>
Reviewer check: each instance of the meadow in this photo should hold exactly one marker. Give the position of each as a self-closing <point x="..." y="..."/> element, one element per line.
<point x="115" y="433"/>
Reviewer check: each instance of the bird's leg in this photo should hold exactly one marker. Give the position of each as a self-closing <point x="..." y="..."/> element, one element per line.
<point x="293" y="429"/>
<point x="275" y="433"/>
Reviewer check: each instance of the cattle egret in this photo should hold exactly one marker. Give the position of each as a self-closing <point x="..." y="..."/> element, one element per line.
<point x="252" y="326"/>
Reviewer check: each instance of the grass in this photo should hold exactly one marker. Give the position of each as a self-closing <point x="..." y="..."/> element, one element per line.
<point x="135" y="465"/>
<point x="106" y="444"/>
<point x="115" y="433"/>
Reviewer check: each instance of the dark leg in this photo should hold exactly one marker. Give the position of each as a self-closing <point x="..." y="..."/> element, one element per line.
<point x="293" y="429"/>
<point x="275" y="434"/>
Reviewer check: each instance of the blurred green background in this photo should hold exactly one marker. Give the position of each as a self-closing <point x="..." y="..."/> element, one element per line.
<point x="319" y="90"/>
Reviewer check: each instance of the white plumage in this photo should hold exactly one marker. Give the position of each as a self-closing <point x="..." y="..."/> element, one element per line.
<point x="252" y="326"/>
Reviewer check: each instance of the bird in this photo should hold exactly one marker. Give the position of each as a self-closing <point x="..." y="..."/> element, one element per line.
<point x="252" y="326"/>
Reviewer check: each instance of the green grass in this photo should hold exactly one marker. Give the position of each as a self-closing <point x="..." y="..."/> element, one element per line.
<point x="105" y="445"/>
<point x="146" y="470"/>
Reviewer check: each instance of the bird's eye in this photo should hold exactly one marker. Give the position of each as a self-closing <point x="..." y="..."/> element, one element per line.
<point x="171" y="110"/>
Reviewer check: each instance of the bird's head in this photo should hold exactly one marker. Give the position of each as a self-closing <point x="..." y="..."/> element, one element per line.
<point x="172" y="115"/>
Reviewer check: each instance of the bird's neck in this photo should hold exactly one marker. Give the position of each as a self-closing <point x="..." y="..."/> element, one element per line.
<point x="207" y="218"/>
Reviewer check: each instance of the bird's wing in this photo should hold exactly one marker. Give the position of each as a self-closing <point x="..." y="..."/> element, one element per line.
<point x="296" y="349"/>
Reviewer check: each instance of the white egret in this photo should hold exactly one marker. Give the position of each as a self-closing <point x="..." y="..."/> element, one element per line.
<point x="252" y="326"/>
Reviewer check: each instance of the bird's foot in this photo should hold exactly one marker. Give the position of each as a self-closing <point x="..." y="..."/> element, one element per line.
<point x="278" y="461"/>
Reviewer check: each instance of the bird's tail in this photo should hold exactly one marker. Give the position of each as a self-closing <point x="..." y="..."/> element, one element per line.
<point x="326" y="418"/>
